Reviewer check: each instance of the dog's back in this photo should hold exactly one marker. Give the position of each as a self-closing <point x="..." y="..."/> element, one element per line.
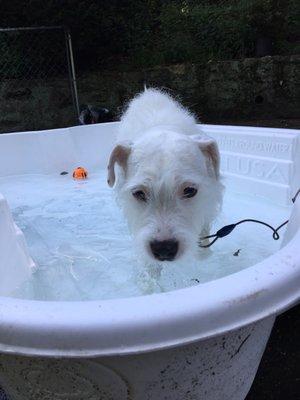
<point x="154" y="108"/>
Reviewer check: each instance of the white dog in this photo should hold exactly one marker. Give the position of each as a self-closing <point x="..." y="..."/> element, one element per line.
<point x="168" y="177"/>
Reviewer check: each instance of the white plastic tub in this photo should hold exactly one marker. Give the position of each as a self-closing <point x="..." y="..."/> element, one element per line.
<point x="202" y="342"/>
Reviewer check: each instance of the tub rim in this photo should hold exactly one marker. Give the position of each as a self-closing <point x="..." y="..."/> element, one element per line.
<point x="157" y="321"/>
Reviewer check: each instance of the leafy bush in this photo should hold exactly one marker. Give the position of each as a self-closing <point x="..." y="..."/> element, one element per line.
<point x="143" y="33"/>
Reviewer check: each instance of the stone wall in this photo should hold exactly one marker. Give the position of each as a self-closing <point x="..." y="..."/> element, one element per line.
<point x="253" y="88"/>
<point x="35" y="104"/>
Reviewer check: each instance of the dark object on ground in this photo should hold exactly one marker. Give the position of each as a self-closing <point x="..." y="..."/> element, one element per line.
<point x="278" y="374"/>
<point x="64" y="173"/>
<point x="263" y="47"/>
<point x="237" y="253"/>
<point x="94" y="115"/>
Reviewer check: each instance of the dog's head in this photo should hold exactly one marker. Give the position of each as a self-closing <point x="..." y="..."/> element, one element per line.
<point x="168" y="186"/>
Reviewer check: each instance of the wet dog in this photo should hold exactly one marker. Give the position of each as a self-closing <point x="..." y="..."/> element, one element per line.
<point x="166" y="175"/>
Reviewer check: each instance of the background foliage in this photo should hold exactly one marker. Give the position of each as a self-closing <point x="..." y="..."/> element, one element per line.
<point x="142" y="33"/>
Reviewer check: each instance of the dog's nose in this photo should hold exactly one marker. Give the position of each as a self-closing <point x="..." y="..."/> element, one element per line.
<point x="164" y="250"/>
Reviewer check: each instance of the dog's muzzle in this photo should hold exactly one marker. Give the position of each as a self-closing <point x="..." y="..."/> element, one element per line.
<point x="164" y="250"/>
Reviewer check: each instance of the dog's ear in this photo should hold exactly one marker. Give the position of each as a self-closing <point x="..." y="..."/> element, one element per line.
<point x="210" y="149"/>
<point x="120" y="156"/>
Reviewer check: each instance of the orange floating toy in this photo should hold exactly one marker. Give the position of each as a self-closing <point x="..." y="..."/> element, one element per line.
<point x="80" y="173"/>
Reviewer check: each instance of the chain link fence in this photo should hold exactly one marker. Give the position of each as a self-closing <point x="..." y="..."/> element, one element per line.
<point x="37" y="79"/>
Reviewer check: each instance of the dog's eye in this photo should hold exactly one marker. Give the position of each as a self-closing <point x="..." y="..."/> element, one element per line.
<point x="140" y="195"/>
<point x="189" y="192"/>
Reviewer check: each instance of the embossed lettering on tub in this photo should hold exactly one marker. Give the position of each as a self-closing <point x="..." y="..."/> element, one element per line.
<point x="265" y="169"/>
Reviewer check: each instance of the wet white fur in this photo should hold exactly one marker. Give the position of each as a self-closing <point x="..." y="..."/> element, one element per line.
<point x="164" y="159"/>
<point x="152" y="108"/>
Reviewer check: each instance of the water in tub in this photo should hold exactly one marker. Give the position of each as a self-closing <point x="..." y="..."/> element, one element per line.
<point x="79" y="240"/>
